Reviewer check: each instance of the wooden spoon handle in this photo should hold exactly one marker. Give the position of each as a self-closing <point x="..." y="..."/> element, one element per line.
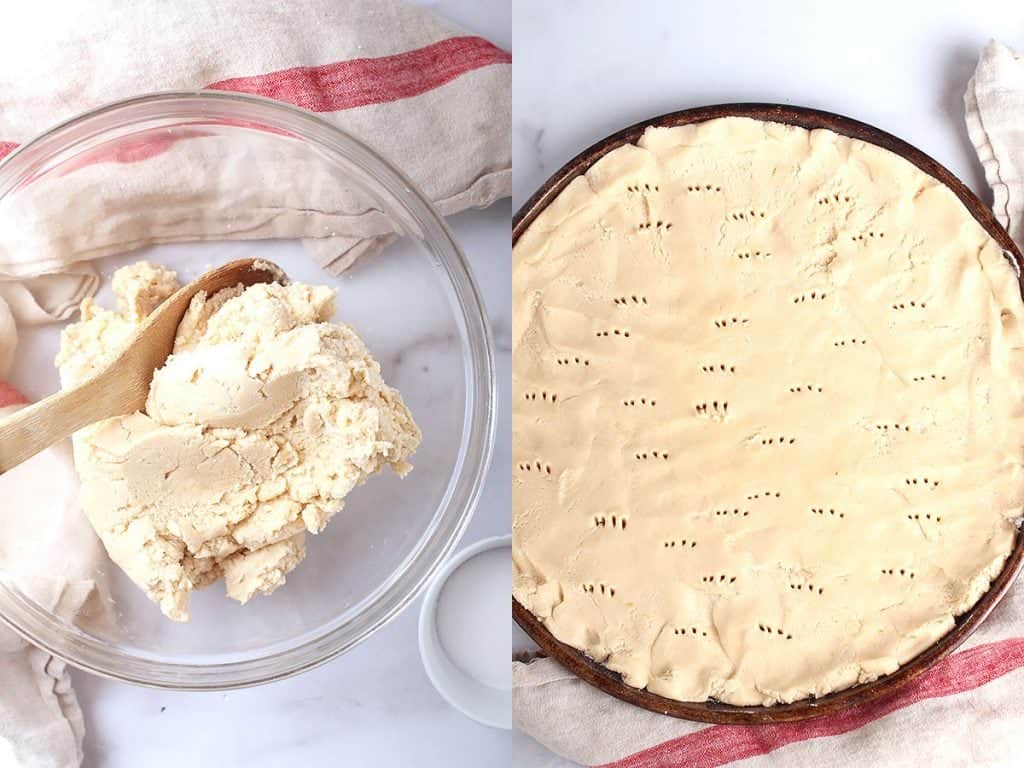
<point x="36" y="427"/>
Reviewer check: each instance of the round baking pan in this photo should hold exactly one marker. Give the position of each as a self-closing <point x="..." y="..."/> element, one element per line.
<point x="711" y="711"/>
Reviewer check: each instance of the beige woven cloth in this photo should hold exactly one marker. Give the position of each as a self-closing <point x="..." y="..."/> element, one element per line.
<point x="994" y="103"/>
<point x="52" y="553"/>
<point x="431" y="98"/>
<point x="967" y="710"/>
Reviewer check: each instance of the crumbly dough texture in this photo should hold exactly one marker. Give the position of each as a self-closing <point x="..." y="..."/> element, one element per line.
<point x="767" y="412"/>
<point x="256" y="428"/>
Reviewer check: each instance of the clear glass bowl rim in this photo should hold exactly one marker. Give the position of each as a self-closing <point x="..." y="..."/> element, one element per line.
<point x="43" y="630"/>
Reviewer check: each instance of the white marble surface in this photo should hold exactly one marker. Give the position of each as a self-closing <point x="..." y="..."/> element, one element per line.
<point x="373" y="706"/>
<point x="586" y="68"/>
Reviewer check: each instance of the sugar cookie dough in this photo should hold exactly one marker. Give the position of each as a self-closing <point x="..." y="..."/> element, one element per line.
<point x="768" y="412"/>
<point x="255" y="430"/>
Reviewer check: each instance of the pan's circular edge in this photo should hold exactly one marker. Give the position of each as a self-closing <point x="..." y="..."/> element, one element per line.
<point x="803" y="117"/>
<point x="610" y="682"/>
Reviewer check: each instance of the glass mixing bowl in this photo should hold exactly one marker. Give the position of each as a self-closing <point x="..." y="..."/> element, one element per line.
<point x="247" y="176"/>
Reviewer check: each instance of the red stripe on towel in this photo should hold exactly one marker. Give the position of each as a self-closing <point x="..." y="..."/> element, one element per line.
<point x="359" y="82"/>
<point x="130" y="150"/>
<point x="345" y="84"/>
<point x="10" y="396"/>
<point x="721" y="744"/>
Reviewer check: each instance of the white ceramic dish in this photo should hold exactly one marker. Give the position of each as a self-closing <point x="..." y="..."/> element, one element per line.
<point x="478" y="687"/>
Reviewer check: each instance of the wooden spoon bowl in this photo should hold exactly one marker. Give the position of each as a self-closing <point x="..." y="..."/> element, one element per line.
<point x="121" y="386"/>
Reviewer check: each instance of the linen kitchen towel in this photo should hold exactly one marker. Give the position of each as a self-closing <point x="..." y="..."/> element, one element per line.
<point x="430" y="98"/>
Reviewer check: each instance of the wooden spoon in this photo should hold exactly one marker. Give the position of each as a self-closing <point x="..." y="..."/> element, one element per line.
<point x="122" y="386"/>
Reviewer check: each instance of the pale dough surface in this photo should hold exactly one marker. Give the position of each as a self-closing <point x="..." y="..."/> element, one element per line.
<point x="256" y="428"/>
<point x="767" y="419"/>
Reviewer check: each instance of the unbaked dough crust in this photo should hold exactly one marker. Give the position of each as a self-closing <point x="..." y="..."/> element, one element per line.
<point x="767" y="419"/>
<point x="255" y="430"/>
